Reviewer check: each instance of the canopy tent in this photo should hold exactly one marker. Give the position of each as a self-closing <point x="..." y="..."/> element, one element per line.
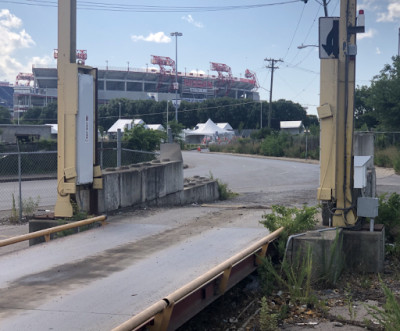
<point x="207" y="132"/>
<point x="123" y="124"/>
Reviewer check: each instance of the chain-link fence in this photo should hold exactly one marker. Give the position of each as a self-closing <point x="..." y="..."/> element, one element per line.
<point x="28" y="174"/>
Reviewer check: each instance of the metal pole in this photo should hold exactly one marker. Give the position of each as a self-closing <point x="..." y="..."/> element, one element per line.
<point x="101" y="152"/>
<point x="261" y="115"/>
<point x="176" y="77"/>
<point x="119" y="148"/>
<point x="19" y="183"/>
<point x="270" y="95"/>
<point x="325" y="8"/>
<point x="306" y="143"/>
<point x="176" y="34"/>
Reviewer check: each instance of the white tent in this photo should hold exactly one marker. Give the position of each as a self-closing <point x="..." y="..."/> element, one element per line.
<point x="158" y="127"/>
<point x="225" y="126"/>
<point x="209" y="132"/>
<point x="124" y="124"/>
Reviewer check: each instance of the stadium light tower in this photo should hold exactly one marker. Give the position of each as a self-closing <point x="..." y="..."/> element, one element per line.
<point x="176" y="86"/>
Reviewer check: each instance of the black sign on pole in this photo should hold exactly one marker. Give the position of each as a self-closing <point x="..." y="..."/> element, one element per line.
<point x="328" y="37"/>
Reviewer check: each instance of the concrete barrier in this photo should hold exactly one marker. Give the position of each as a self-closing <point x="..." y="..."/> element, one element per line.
<point x="157" y="183"/>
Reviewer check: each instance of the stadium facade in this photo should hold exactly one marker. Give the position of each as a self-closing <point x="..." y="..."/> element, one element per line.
<point x="139" y="84"/>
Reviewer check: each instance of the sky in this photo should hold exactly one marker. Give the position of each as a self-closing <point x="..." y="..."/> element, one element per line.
<point x="241" y="34"/>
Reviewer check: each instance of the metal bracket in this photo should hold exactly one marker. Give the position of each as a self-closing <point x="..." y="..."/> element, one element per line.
<point x="161" y="320"/>
<point x="224" y="280"/>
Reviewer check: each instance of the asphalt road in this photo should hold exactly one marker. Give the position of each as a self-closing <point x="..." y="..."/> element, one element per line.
<point x="97" y="279"/>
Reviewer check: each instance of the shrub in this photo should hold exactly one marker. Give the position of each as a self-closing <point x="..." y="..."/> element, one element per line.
<point x="389" y="215"/>
<point x="293" y="220"/>
<point x="274" y="145"/>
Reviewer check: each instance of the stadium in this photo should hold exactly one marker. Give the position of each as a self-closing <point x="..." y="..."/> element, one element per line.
<point x="157" y="82"/>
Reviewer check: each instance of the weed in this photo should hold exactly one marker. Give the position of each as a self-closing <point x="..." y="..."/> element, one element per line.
<point x="350" y="303"/>
<point x="224" y="192"/>
<point x="334" y="266"/>
<point x="294" y="277"/>
<point x="29" y="206"/>
<point x="389" y="316"/>
<point x="268" y="321"/>
<point x="14" y="212"/>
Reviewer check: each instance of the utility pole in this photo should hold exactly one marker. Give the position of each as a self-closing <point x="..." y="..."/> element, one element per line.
<point x="336" y="112"/>
<point x="272" y="67"/>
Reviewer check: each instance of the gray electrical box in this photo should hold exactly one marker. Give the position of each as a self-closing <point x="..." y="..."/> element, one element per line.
<point x="84" y="130"/>
<point x="367" y="207"/>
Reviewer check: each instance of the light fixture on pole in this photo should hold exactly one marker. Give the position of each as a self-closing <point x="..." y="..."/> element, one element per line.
<point x="305" y="46"/>
<point x="176" y="86"/>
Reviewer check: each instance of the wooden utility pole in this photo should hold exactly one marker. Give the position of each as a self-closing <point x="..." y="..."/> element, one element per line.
<point x="272" y="67"/>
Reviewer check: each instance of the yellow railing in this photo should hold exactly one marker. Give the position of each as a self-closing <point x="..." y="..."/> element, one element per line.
<point x="160" y="312"/>
<point x="47" y="232"/>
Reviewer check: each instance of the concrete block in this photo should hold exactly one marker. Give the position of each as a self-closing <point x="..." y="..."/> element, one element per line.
<point x="365" y="250"/>
<point x="171" y="151"/>
<point x="149" y="183"/>
<point x="201" y="192"/>
<point x="111" y="197"/>
<point x="131" y="187"/>
<point x="36" y="225"/>
<point x="174" y="176"/>
<point x="326" y="252"/>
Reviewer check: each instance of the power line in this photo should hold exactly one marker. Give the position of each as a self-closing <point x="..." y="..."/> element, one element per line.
<point x="116" y="7"/>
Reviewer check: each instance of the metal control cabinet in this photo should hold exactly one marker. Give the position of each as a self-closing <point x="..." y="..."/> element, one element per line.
<point x="84" y="130"/>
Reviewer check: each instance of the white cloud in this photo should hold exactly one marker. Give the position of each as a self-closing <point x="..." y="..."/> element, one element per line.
<point x="158" y="37"/>
<point x="190" y="19"/>
<point x="392" y="14"/>
<point x="12" y="39"/>
<point x="378" y="51"/>
<point x="369" y="5"/>
<point x="370" y="33"/>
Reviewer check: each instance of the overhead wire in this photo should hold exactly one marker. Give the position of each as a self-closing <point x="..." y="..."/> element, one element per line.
<point x="295" y="31"/>
<point x="119" y="7"/>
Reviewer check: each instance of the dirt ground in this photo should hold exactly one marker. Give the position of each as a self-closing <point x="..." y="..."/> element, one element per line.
<point x="346" y="306"/>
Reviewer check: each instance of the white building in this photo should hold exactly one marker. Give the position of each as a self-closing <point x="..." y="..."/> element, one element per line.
<point x="292" y="127"/>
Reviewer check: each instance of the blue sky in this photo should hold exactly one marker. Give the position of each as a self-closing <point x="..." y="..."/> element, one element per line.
<point x="212" y="32"/>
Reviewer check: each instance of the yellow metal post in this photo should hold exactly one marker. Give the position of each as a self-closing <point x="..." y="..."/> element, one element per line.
<point x="336" y="113"/>
<point x="71" y="156"/>
<point x="67" y="107"/>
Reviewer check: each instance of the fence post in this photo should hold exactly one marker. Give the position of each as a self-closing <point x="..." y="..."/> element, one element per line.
<point x="119" y="152"/>
<point x="101" y="152"/>
<point x="306" y="143"/>
<point x="19" y="182"/>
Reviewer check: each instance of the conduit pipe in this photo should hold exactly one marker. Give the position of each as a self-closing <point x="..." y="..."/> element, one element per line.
<point x="47" y="232"/>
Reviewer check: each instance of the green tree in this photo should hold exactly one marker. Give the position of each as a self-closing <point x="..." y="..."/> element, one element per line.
<point x="385" y="95"/>
<point x="176" y="130"/>
<point x="48" y="115"/>
<point x="140" y="138"/>
<point x="5" y="116"/>
<point x="364" y="114"/>
<point x="31" y="116"/>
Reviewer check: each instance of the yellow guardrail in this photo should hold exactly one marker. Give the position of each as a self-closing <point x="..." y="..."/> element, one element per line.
<point x="47" y="232"/>
<point x="160" y="312"/>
